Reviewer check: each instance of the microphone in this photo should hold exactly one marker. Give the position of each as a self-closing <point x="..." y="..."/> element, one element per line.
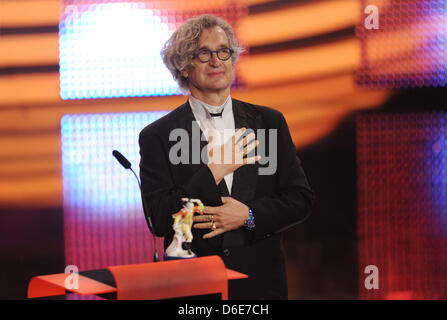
<point x="127" y="165"/>
<point x="122" y="159"/>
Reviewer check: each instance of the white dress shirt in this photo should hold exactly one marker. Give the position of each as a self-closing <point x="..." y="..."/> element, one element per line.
<point x="202" y="110"/>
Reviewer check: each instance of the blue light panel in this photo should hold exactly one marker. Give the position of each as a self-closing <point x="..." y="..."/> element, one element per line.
<point x="92" y="178"/>
<point x="104" y="224"/>
<point x="112" y="49"/>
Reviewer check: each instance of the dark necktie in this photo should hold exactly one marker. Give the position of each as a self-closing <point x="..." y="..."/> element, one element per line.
<point x="216" y="114"/>
<point x="223" y="188"/>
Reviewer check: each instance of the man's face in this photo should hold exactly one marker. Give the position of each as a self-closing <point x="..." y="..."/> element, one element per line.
<point x="214" y="75"/>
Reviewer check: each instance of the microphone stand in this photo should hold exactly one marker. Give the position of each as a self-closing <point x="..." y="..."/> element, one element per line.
<point x="127" y="165"/>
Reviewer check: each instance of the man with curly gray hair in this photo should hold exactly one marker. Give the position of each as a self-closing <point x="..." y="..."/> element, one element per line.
<point x="245" y="211"/>
<point x="179" y="50"/>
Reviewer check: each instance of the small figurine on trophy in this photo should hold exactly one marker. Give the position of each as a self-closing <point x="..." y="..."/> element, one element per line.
<point x="181" y="244"/>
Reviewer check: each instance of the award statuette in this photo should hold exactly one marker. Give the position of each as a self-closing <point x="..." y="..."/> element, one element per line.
<point x="180" y="247"/>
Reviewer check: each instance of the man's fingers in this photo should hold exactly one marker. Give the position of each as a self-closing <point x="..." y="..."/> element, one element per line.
<point x="239" y="134"/>
<point x="203" y="218"/>
<point x="225" y="199"/>
<point x="211" y="141"/>
<point x="250" y="147"/>
<point x="204" y="225"/>
<point x="211" y="210"/>
<point x="242" y="145"/>
<point x="213" y="233"/>
<point x="249" y="137"/>
<point x="252" y="159"/>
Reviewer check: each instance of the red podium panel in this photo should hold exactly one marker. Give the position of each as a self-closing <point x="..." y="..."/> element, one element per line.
<point x="54" y="284"/>
<point x="175" y="278"/>
<point x="160" y="280"/>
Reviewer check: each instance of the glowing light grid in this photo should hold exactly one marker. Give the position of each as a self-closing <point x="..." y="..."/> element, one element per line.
<point x="402" y="192"/>
<point x="104" y="220"/>
<point x="112" y="49"/>
<point x="409" y="48"/>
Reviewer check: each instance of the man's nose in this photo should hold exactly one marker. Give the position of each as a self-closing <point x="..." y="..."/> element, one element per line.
<point x="214" y="60"/>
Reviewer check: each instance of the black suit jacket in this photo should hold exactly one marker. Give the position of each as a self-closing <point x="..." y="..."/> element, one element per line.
<point x="278" y="201"/>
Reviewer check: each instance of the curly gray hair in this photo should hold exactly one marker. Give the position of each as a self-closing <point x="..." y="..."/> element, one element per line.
<point x="178" y="51"/>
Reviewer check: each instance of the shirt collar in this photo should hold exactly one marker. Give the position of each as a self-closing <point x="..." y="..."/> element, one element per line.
<point x="205" y="108"/>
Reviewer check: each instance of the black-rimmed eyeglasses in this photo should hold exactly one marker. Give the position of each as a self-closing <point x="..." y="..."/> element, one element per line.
<point x="204" y="55"/>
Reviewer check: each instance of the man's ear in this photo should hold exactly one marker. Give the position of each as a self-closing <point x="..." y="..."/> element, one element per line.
<point x="184" y="73"/>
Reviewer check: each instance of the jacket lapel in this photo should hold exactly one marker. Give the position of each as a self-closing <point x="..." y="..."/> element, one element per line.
<point x="197" y="138"/>
<point x="244" y="178"/>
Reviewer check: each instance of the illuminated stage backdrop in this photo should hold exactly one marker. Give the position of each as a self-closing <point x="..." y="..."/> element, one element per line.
<point x="103" y="215"/>
<point x="402" y="194"/>
<point x="111" y="48"/>
<point x="409" y="48"/>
